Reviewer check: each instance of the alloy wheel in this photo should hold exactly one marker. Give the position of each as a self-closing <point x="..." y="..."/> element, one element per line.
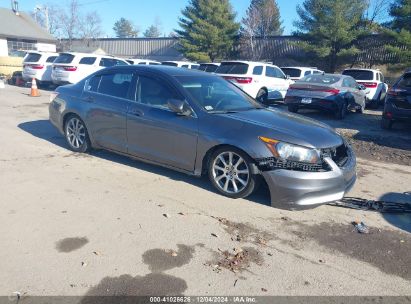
<point x="230" y="172"/>
<point x="75" y="132"/>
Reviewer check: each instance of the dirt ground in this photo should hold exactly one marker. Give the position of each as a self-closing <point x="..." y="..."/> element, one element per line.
<point x="103" y="224"/>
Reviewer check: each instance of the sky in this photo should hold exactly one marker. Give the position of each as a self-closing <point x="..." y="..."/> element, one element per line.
<point x="143" y="13"/>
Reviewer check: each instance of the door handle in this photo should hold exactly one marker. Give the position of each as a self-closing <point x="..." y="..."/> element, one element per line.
<point x="89" y="99"/>
<point x="136" y="112"/>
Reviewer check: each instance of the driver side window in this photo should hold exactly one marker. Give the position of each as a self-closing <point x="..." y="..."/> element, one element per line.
<point x="152" y="92"/>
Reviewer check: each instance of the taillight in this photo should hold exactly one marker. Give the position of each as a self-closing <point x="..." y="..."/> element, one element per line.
<point x="332" y="91"/>
<point x="369" y="84"/>
<point x="53" y="96"/>
<point x="395" y="92"/>
<point x="70" y="68"/>
<point x="242" y="80"/>
<point x="34" y="66"/>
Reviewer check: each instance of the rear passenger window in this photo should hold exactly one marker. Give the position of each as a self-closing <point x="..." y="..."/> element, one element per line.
<point x="307" y="73"/>
<point x="142" y="63"/>
<point x="88" y="60"/>
<point x="93" y="84"/>
<point x="116" y="84"/>
<point x="185" y="66"/>
<point x="152" y="92"/>
<point x="274" y="72"/>
<point x="258" y="70"/>
<point x="51" y="59"/>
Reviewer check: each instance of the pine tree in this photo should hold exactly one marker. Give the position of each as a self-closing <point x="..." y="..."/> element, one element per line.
<point x="328" y="29"/>
<point x="400" y="31"/>
<point x="208" y="30"/>
<point x="124" y="29"/>
<point x="152" y="32"/>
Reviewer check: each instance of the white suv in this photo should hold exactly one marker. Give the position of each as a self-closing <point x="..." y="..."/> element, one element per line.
<point x="38" y="65"/>
<point x="72" y="67"/>
<point x="134" y="61"/>
<point x="261" y="81"/>
<point x="296" y="73"/>
<point x="182" y="64"/>
<point x="374" y="81"/>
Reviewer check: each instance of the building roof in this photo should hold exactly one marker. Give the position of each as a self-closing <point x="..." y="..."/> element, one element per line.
<point x="21" y="26"/>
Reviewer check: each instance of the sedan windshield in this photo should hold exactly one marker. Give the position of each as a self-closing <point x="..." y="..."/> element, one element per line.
<point x="217" y="95"/>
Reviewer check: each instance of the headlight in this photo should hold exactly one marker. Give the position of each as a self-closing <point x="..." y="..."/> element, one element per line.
<point x="291" y="152"/>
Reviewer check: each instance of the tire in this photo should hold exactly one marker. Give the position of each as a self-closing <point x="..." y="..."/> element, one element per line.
<point x="262" y="96"/>
<point x="342" y="111"/>
<point x="386" y="123"/>
<point x="293" y="108"/>
<point x="76" y="135"/>
<point x="361" y="109"/>
<point x="232" y="175"/>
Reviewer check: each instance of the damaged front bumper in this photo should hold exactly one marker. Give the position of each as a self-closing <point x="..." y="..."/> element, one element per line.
<point x="291" y="189"/>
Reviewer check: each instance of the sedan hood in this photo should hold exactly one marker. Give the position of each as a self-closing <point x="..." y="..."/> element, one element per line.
<point x="288" y="127"/>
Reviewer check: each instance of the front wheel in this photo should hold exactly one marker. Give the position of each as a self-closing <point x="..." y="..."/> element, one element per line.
<point x="230" y="173"/>
<point x="76" y="134"/>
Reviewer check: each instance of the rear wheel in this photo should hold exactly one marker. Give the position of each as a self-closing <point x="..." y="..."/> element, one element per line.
<point x="262" y="96"/>
<point x="341" y="111"/>
<point x="386" y="123"/>
<point x="361" y="108"/>
<point x="76" y="134"/>
<point x="230" y="172"/>
<point x="293" y="108"/>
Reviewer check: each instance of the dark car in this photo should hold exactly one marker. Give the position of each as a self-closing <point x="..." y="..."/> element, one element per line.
<point x="330" y="92"/>
<point x="398" y="102"/>
<point x="198" y="123"/>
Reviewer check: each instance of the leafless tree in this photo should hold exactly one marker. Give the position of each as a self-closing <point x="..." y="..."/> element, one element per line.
<point x="70" y="22"/>
<point x="377" y="10"/>
<point x="90" y="27"/>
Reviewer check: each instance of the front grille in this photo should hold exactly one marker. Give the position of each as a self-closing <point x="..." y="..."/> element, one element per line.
<point x="338" y="154"/>
<point x="271" y="163"/>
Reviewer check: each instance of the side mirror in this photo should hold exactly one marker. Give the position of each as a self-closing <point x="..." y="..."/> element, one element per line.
<point x="287" y="77"/>
<point x="179" y="107"/>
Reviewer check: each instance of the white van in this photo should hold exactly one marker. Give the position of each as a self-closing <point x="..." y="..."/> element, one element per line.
<point x="72" y="67"/>
<point x="38" y="65"/>
<point x="182" y="64"/>
<point x="260" y="80"/>
<point x="134" y="61"/>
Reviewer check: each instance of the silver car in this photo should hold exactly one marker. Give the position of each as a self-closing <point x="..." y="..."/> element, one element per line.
<point x="199" y="123"/>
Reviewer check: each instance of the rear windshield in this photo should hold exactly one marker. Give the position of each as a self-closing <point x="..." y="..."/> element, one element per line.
<point x="359" y="74"/>
<point x="232" y="68"/>
<point x="51" y="59"/>
<point x="208" y="68"/>
<point x="323" y="79"/>
<point x="64" y="58"/>
<point x="169" y="63"/>
<point x="32" y="57"/>
<point x="291" y="72"/>
<point x="405" y="82"/>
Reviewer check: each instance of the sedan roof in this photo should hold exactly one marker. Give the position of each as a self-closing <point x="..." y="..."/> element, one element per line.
<point x="162" y="69"/>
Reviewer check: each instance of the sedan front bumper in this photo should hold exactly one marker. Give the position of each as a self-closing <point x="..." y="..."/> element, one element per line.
<point x="299" y="190"/>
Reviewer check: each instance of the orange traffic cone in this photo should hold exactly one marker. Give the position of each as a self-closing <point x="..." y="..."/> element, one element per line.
<point x="34" y="91"/>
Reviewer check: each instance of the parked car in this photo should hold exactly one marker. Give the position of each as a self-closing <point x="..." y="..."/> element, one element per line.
<point x="182" y="64"/>
<point x="210" y="67"/>
<point x="198" y="123"/>
<point x="142" y="61"/>
<point x="330" y="92"/>
<point x="296" y="73"/>
<point x="374" y="81"/>
<point x="72" y="67"/>
<point x="38" y="65"/>
<point x="261" y="81"/>
<point x="398" y="102"/>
